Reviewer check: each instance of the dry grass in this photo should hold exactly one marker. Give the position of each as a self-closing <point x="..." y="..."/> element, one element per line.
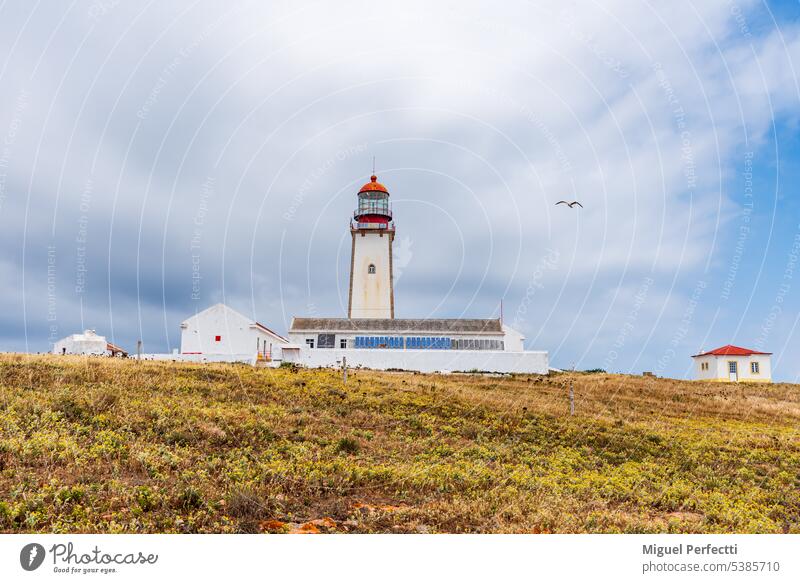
<point x="104" y="445"/>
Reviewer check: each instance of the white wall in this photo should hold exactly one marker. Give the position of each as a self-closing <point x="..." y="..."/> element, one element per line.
<point x="244" y="358"/>
<point x="703" y="375"/>
<point x="238" y="334"/>
<point x="371" y="292"/>
<point x="428" y="360"/>
<point x="81" y="344"/>
<point x="514" y="341"/>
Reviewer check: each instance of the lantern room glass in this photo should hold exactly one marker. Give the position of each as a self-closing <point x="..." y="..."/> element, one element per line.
<point x="373" y="203"/>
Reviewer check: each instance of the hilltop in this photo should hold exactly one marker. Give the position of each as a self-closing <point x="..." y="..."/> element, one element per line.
<point x="111" y="445"/>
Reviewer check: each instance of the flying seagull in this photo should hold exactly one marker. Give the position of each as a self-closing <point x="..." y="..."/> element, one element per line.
<point x="569" y="204"/>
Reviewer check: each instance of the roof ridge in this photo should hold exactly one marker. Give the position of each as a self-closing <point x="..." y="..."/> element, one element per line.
<point x="731" y="350"/>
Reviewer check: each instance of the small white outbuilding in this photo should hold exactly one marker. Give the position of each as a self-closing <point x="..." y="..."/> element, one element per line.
<point x="86" y="343"/>
<point x="221" y="333"/>
<point x="733" y="364"/>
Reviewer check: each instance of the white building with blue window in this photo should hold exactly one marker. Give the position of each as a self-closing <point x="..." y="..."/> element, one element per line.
<point x="371" y="337"/>
<point x="426" y="345"/>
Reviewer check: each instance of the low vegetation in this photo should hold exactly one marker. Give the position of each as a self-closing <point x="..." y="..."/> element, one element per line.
<point x="108" y="445"/>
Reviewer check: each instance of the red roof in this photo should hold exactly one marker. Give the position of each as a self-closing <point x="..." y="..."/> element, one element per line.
<point x="373" y="185"/>
<point x="730" y="350"/>
<point x="114" y="348"/>
<point x="260" y="325"/>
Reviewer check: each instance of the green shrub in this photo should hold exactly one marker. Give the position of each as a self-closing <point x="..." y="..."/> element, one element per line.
<point x="145" y="498"/>
<point x="190" y="499"/>
<point x="70" y="495"/>
<point x="348" y="445"/>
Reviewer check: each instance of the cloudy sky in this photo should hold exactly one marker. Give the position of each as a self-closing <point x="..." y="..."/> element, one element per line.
<point x="156" y="158"/>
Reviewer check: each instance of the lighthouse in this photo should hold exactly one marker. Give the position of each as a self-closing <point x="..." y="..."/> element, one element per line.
<point x="372" y="229"/>
<point x="371" y="337"/>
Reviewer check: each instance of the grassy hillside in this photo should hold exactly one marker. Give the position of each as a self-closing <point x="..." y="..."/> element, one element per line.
<point x="104" y="445"/>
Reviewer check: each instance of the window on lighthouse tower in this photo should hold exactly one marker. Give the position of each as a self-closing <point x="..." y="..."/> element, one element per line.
<point x="371" y="268"/>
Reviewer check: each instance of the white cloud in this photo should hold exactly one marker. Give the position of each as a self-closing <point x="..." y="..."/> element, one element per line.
<point x="481" y="117"/>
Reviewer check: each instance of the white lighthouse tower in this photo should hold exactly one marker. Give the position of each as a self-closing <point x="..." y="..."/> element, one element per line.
<point x="372" y="229"/>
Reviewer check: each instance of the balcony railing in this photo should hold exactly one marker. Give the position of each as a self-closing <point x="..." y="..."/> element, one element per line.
<point x="384" y="226"/>
<point x="382" y="210"/>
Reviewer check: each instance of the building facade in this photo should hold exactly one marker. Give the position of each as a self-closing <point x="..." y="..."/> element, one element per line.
<point x="88" y="343"/>
<point x="403" y="334"/>
<point x="220" y="333"/>
<point x="732" y="364"/>
<point x="371" y="293"/>
<point x="426" y="345"/>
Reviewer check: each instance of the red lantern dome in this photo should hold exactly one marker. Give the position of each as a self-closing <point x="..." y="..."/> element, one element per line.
<point x="373" y="186"/>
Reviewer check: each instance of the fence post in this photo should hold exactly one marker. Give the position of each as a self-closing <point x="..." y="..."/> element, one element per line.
<point x="344" y="370"/>
<point x="572" y="393"/>
<point x="571" y="399"/>
<point x="138" y="350"/>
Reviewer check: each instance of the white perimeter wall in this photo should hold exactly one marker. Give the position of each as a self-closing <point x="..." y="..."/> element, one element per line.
<point x="428" y="360"/>
<point x="371" y="292"/>
<point x="245" y="358"/>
